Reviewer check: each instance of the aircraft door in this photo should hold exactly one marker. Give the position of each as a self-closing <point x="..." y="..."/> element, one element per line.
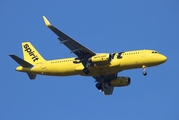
<point x="142" y="54"/>
<point x="43" y="66"/>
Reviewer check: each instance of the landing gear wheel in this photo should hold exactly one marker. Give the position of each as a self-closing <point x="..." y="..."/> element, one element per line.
<point x="144" y="73"/>
<point x="86" y="71"/>
<point x="144" y="70"/>
<point x="99" y="86"/>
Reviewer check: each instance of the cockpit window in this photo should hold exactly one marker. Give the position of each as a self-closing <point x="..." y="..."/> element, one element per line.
<point x="154" y="52"/>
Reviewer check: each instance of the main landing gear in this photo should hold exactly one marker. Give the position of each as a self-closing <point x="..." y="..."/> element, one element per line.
<point x="144" y="70"/>
<point x="86" y="71"/>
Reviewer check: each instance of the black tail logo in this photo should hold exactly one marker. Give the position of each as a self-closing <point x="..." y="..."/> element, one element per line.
<point x="31" y="53"/>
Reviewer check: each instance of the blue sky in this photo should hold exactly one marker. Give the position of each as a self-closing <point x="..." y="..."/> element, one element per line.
<point x="102" y="27"/>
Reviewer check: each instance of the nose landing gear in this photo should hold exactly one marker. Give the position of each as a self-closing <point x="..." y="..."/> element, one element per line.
<point x="144" y="70"/>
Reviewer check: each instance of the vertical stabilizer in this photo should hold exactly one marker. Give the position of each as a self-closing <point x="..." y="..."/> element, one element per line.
<point x="31" y="55"/>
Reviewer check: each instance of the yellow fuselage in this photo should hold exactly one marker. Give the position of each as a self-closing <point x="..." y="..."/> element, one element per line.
<point x="127" y="60"/>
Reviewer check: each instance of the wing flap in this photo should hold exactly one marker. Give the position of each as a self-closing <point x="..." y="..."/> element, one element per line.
<point x="108" y="91"/>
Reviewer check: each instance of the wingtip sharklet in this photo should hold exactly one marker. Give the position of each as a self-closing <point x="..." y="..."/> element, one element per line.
<point x="47" y="23"/>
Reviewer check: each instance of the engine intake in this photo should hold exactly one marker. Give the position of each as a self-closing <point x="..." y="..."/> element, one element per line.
<point x="120" y="81"/>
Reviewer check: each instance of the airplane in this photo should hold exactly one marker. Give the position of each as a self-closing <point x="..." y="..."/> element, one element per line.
<point x="103" y="67"/>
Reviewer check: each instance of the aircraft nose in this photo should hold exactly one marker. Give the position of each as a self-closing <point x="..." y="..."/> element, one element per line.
<point x="163" y="58"/>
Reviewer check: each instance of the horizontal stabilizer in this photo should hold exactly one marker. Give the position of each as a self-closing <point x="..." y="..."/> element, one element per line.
<point x="31" y="75"/>
<point x="20" y="61"/>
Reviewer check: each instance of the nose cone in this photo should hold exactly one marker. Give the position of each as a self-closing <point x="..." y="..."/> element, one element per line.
<point x="163" y="58"/>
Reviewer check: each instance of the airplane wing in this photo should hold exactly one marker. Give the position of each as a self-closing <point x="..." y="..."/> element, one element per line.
<point x="75" y="47"/>
<point x="107" y="90"/>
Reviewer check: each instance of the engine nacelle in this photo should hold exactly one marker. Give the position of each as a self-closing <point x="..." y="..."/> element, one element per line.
<point x="119" y="82"/>
<point x="101" y="58"/>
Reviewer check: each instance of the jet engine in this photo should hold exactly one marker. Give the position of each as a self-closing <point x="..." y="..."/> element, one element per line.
<point x="101" y="58"/>
<point x="119" y="82"/>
